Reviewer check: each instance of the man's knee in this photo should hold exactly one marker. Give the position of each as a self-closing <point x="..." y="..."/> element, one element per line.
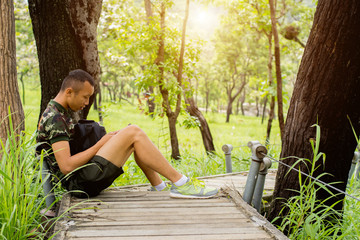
<point x="135" y="130"/>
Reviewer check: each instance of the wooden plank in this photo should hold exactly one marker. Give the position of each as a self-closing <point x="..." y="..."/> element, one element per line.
<point x="159" y="232"/>
<point x="60" y="225"/>
<point x="249" y="236"/>
<point x="160" y="204"/>
<point x="165" y="201"/>
<point x="141" y="221"/>
<point x="119" y="199"/>
<point x="165" y="227"/>
<point x="131" y="212"/>
<point x="150" y="217"/>
<point x="183" y="211"/>
<point x="255" y="216"/>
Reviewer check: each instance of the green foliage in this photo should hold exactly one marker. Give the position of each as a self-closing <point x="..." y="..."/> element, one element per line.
<point x="26" y="54"/>
<point x="351" y="219"/>
<point x="21" y="196"/>
<point x="128" y="47"/>
<point x="307" y="216"/>
<point x="119" y="61"/>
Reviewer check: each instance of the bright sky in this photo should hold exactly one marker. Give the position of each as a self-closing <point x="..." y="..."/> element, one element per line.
<point x="203" y="20"/>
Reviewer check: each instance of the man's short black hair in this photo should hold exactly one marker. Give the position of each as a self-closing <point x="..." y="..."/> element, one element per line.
<point x="75" y="77"/>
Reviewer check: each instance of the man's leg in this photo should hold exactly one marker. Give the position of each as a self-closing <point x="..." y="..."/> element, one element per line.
<point x="132" y="139"/>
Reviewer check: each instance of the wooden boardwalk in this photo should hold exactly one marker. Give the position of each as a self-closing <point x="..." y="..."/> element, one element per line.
<point x="132" y="212"/>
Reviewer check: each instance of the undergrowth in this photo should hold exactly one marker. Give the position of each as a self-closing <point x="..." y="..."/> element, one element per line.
<point x="311" y="218"/>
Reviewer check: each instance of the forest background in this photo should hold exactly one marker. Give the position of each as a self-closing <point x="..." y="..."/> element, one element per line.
<point x="228" y="62"/>
<point x="228" y="58"/>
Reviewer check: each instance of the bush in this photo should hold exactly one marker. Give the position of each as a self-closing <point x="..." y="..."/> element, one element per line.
<point x="20" y="188"/>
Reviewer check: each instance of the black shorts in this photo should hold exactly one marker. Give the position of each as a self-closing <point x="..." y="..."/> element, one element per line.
<point x="92" y="178"/>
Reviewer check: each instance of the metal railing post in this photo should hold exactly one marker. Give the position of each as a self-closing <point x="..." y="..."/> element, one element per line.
<point x="257" y="156"/>
<point x="357" y="171"/>
<point x="47" y="185"/>
<point x="355" y="160"/>
<point x="260" y="183"/>
<point x="227" y="148"/>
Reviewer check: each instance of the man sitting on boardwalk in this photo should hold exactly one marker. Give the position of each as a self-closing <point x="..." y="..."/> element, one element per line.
<point x="97" y="167"/>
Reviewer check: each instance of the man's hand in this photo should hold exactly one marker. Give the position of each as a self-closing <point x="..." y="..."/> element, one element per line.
<point x="68" y="163"/>
<point x="114" y="132"/>
<point x="105" y="138"/>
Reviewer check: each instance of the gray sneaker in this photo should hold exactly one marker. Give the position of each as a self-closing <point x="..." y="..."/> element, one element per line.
<point x="194" y="188"/>
<point x="153" y="189"/>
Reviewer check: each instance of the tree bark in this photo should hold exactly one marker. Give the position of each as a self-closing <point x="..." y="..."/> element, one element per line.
<point x="272" y="97"/>
<point x="171" y="115"/>
<point x="326" y="92"/>
<point x="9" y="89"/>
<point x="242" y="101"/>
<point x="65" y="34"/>
<point x="231" y="98"/>
<point x="238" y="106"/>
<point x="278" y="68"/>
<point x="207" y="100"/>
<point x="175" y="152"/>
<point x="264" y="110"/>
<point x="150" y="101"/>
<point x="204" y="127"/>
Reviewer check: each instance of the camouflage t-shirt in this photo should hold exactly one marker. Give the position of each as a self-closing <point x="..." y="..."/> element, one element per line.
<point x="55" y="125"/>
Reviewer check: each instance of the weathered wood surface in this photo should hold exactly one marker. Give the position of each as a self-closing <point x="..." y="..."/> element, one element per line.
<point x="134" y="213"/>
<point x="232" y="180"/>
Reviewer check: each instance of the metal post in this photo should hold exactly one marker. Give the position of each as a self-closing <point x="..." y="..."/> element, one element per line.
<point x="357" y="171"/>
<point x="47" y="185"/>
<point x="257" y="156"/>
<point x="227" y="148"/>
<point x="260" y="183"/>
<point x="353" y="164"/>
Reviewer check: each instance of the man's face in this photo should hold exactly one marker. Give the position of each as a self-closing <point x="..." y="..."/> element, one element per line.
<point x="78" y="100"/>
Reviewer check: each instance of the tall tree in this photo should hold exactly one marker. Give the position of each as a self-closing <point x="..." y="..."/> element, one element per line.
<point x="8" y="78"/>
<point x="270" y="83"/>
<point x="206" y="135"/>
<point x="149" y="16"/>
<point x="277" y="67"/>
<point x="326" y="93"/>
<point x="65" y="32"/>
<point x="172" y="115"/>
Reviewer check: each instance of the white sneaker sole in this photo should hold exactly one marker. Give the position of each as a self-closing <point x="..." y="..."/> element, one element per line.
<point x="178" y="195"/>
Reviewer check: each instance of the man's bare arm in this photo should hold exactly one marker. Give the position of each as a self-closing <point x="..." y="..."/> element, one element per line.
<point x="68" y="163"/>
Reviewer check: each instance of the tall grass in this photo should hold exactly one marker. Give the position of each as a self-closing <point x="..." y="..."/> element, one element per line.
<point x="21" y="196"/>
<point x="311" y="218"/>
<point x="351" y="217"/>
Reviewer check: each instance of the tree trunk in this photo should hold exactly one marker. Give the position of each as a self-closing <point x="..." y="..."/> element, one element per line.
<point x="204" y="127"/>
<point x="242" y="102"/>
<point x="326" y="92"/>
<point x="238" y="106"/>
<point x="229" y="109"/>
<point x="207" y="93"/>
<point x="9" y="90"/>
<point x="175" y="152"/>
<point x="65" y="34"/>
<point x="272" y="97"/>
<point x="278" y="68"/>
<point x="150" y="101"/>
<point x="172" y="116"/>
<point x="231" y="99"/>
<point x="264" y="110"/>
<point x="99" y="107"/>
